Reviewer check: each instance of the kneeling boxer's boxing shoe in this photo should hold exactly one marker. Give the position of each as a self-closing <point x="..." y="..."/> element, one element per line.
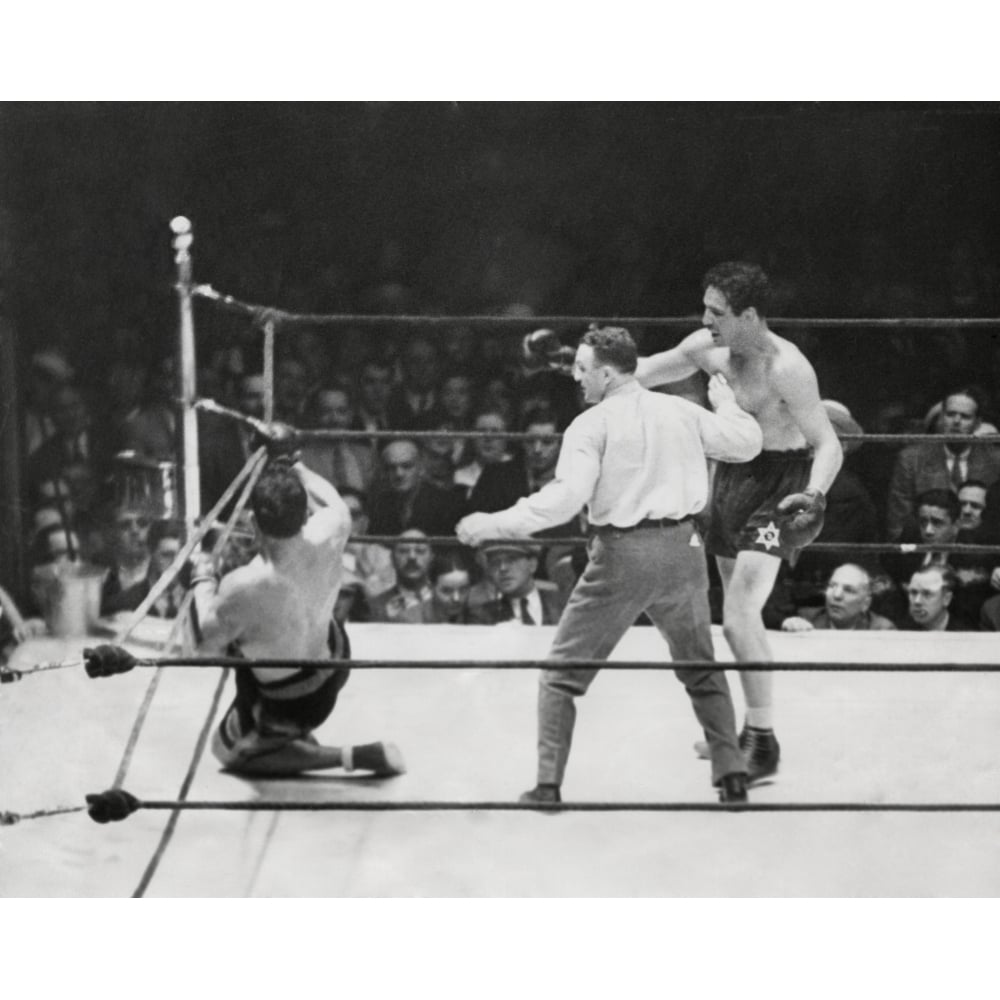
<point x="762" y="753"/>
<point x="733" y="788"/>
<point x="383" y="759"/>
<point x="542" y="795"/>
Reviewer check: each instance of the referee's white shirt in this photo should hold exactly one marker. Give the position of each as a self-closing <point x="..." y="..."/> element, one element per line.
<point x="637" y="454"/>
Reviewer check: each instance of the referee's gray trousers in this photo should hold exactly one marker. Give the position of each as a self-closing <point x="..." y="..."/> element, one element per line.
<point x="651" y="569"/>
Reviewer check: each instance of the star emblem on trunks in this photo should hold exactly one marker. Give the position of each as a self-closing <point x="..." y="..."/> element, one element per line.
<point x="769" y="536"/>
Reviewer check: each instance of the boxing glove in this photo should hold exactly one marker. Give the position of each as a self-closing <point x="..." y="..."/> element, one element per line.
<point x="542" y="349"/>
<point x="802" y="516"/>
<point x="281" y="441"/>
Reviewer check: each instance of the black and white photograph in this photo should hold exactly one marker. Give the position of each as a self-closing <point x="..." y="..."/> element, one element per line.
<point x="484" y="500"/>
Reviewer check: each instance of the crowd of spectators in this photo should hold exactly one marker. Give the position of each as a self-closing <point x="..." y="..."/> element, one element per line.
<point x="96" y="491"/>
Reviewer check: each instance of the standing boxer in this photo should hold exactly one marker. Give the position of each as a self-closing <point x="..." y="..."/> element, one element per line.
<point x="765" y="510"/>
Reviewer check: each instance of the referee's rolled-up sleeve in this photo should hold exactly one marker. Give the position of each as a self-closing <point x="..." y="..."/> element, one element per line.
<point x="730" y="434"/>
<point x="565" y="496"/>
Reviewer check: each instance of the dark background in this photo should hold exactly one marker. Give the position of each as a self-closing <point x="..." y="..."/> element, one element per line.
<point x="583" y="208"/>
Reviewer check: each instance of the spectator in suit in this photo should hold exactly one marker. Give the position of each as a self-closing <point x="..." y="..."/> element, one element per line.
<point x="73" y="454"/>
<point x="928" y="465"/>
<point x="225" y="445"/>
<point x="47" y="371"/>
<point x="451" y="575"/>
<point x="165" y="540"/>
<point x="930" y="592"/>
<point x="370" y="563"/>
<point x="407" y="499"/>
<point x="150" y="429"/>
<point x="292" y="386"/>
<point x="127" y="581"/>
<point x="522" y="598"/>
<point x="410" y="600"/>
<point x="938" y="518"/>
<point x="484" y="451"/>
<point x="414" y="403"/>
<point x="374" y="390"/>
<point x="978" y="576"/>
<point x="847" y="605"/>
<point x="501" y="485"/>
<point x="348" y="464"/>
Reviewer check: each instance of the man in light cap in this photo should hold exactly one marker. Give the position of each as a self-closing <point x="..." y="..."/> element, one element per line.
<point x="521" y="598"/>
<point x="637" y="460"/>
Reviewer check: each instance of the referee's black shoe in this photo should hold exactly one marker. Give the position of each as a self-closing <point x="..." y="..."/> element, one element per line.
<point x="542" y="795"/>
<point x="733" y="787"/>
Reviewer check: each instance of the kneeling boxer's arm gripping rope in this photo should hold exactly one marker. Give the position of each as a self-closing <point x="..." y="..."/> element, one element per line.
<point x="106" y="661"/>
<point x="543" y="349"/>
<point x="803" y="516"/>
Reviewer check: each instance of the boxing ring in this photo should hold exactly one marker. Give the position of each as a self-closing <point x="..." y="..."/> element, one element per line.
<point x="888" y="785"/>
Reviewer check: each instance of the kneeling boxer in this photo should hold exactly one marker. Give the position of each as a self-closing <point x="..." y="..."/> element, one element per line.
<point x="280" y="606"/>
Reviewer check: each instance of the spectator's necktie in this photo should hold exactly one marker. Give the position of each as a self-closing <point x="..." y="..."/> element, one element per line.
<point x="525" y="613"/>
<point x="956" y="473"/>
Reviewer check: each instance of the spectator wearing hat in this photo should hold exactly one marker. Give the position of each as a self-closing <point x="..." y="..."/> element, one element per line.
<point x="511" y="567"/>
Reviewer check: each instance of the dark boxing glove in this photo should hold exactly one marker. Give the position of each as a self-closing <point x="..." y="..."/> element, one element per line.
<point x="802" y="516"/>
<point x="542" y="350"/>
<point x="106" y="661"/>
<point x="281" y="441"/>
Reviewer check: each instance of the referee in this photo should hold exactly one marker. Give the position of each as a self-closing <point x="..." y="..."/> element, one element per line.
<point x="637" y="460"/>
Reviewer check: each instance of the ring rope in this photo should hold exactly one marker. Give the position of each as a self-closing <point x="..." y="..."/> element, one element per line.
<point x="329" y="434"/>
<point x="249" y="472"/>
<point x="8" y="818"/>
<point x="168" y="830"/>
<point x="283" y="805"/>
<point x="171" y="573"/>
<point x="283" y="318"/>
<point x="905" y="548"/>
<point x="240" y="663"/>
<point x="180" y="622"/>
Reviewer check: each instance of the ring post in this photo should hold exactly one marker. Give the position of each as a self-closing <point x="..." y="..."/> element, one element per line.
<point x="190" y="485"/>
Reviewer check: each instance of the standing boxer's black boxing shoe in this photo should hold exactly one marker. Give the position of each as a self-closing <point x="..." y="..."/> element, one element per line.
<point x="733" y="788"/>
<point x="762" y="753"/>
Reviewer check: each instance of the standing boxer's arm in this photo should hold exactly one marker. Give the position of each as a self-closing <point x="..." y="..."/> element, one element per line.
<point x="800" y="391"/>
<point x="679" y="362"/>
